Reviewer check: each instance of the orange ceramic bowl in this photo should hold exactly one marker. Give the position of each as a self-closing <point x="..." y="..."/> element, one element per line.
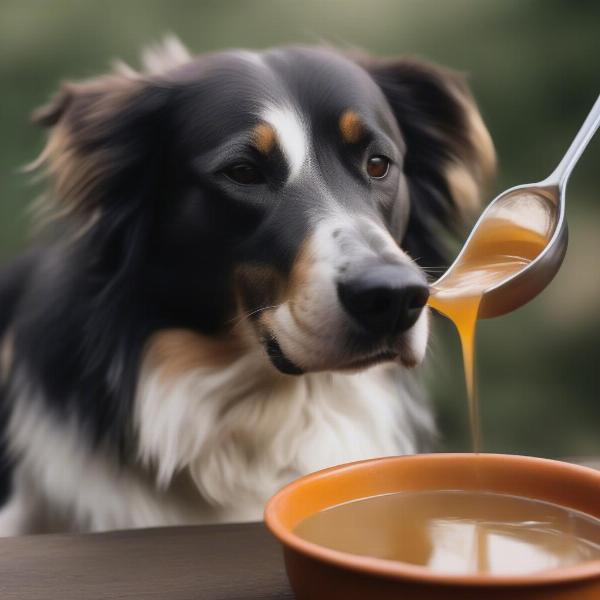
<point x="316" y="572"/>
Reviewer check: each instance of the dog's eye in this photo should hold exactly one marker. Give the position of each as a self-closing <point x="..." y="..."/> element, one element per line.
<point x="378" y="166"/>
<point x="244" y="173"/>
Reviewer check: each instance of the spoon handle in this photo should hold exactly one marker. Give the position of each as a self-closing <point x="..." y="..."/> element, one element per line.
<point x="560" y="175"/>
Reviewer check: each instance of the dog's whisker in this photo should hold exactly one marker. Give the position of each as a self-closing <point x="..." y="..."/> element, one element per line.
<point x="236" y="320"/>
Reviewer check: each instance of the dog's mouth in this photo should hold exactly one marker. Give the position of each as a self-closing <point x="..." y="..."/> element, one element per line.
<point x="280" y="361"/>
<point x="369" y="361"/>
<point x="283" y="364"/>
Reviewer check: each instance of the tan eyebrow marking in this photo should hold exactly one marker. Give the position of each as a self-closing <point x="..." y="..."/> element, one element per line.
<point x="264" y="138"/>
<point x="351" y="126"/>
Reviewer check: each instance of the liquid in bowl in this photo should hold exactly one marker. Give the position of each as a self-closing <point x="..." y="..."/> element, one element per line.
<point x="458" y="532"/>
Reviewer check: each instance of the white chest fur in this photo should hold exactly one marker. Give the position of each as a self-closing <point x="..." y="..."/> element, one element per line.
<point x="241" y="432"/>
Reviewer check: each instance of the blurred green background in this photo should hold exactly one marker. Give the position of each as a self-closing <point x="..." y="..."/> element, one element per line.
<point x="535" y="68"/>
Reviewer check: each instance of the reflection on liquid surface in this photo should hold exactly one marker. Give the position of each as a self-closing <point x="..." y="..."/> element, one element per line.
<point x="458" y="532"/>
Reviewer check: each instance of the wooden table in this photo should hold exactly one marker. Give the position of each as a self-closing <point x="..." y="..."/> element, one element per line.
<point x="214" y="562"/>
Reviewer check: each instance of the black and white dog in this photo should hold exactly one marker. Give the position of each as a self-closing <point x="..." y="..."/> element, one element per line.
<point x="233" y="292"/>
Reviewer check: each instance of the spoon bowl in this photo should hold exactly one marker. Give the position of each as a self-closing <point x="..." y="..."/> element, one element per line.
<point x="534" y="210"/>
<point x="540" y="208"/>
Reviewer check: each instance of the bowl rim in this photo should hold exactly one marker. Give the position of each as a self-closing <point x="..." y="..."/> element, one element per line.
<point x="405" y="571"/>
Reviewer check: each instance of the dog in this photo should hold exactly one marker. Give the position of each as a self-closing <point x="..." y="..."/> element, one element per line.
<point x="230" y="288"/>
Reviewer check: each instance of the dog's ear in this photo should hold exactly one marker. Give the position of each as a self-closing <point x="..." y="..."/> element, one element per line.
<point x="49" y="114"/>
<point x="108" y="134"/>
<point x="450" y="157"/>
<point x="105" y="134"/>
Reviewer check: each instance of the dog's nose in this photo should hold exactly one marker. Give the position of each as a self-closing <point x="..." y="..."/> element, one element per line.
<point x="385" y="299"/>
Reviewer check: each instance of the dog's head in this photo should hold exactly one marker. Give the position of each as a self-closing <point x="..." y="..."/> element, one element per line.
<point x="299" y="190"/>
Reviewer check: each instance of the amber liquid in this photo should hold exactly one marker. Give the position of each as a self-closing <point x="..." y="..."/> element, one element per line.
<point x="458" y="532"/>
<point x="501" y="248"/>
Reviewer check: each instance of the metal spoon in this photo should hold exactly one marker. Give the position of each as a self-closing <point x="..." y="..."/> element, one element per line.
<point x="542" y="206"/>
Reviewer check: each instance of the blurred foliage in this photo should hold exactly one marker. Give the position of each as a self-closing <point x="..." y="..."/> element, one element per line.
<point x="535" y="68"/>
